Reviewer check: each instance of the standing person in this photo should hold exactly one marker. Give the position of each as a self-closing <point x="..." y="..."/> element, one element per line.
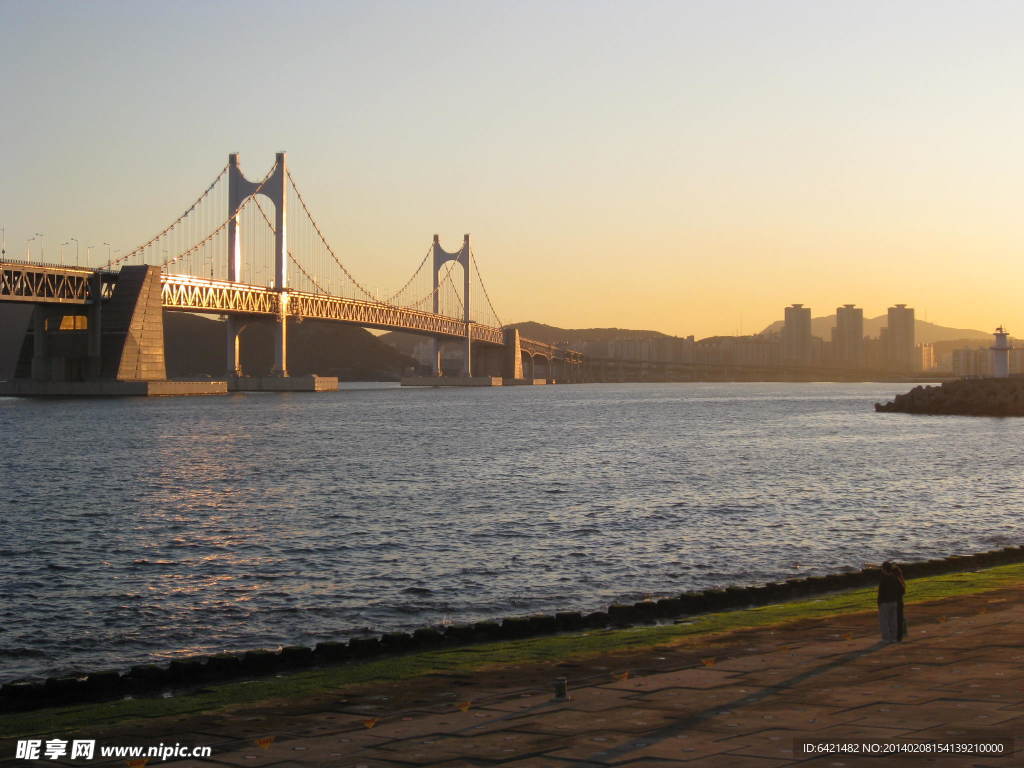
<point x="891" y="588"/>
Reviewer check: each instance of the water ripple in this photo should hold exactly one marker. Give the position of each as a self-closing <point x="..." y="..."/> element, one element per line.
<point x="143" y="530"/>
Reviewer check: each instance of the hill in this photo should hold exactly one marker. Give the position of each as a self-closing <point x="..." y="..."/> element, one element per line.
<point x="549" y="334"/>
<point x="194" y="347"/>
<point x="925" y="332"/>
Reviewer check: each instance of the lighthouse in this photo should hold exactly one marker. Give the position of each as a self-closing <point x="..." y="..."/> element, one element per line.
<point x="1001" y="354"/>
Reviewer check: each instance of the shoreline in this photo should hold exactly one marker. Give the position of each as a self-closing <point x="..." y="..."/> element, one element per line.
<point x="385" y="689"/>
<point x="186" y="675"/>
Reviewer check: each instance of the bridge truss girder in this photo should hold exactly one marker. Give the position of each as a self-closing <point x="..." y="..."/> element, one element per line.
<point x="182" y="292"/>
<point x="44" y="285"/>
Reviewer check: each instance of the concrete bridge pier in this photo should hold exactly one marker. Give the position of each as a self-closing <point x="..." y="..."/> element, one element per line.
<point x="280" y="369"/>
<point x="438" y="357"/>
<point x="232" y="331"/>
<point x="40" y="347"/>
<point x="467" y="365"/>
<point x="95" y="348"/>
<point x="94" y="323"/>
<point x="513" y="368"/>
<point x="541" y="367"/>
<point x="487" y="361"/>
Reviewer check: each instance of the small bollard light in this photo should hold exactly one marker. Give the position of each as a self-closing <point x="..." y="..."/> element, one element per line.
<point x="561" y="689"/>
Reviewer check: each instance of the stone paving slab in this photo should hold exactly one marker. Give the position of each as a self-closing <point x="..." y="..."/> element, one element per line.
<point x="686" y="678"/>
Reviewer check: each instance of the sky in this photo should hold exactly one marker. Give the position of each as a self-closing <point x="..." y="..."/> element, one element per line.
<point x="686" y="167"/>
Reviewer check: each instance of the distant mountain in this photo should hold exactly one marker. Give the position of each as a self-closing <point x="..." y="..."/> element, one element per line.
<point x="549" y="334"/>
<point x="926" y="333"/>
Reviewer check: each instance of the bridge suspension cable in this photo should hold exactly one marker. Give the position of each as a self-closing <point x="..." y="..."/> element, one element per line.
<point x="186" y="253"/>
<point x="201" y="230"/>
<point x="112" y="262"/>
<point x="220" y="228"/>
<point x="483" y="286"/>
<point x="291" y="255"/>
<point x="327" y="245"/>
<point x="415" y="274"/>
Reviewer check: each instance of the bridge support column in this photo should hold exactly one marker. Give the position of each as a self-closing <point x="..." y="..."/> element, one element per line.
<point x="40" y="356"/>
<point x="281" y="340"/>
<point x="232" y="333"/>
<point x="467" y="368"/>
<point x="94" y="351"/>
<point x="513" y="367"/>
<point x="441" y="257"/>
<point x="438" y="359"/>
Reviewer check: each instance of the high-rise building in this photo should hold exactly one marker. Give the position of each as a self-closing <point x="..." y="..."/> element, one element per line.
<point x="796" y="336"/>
<point x="899" y="339"/>
<point x="926" y="358"/>
<point x="848" y="337"/>
<point x="971" y="362"/>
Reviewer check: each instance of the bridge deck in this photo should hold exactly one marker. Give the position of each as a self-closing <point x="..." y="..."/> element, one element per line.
<point x="182" y="292"/>
<point x="54" y="284"/>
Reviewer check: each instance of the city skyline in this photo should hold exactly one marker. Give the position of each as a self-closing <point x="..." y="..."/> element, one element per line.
<point x="685" y="169"/>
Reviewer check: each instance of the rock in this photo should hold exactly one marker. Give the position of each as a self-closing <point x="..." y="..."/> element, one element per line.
<point x="965" y="397"/>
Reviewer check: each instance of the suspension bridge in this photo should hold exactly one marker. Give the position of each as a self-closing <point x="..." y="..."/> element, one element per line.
<point x="237" y="253"/>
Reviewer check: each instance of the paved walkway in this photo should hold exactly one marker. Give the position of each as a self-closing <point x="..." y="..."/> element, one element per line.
<point x="748" y="703"/>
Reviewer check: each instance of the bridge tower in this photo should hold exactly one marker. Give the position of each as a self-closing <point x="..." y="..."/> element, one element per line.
<point x="442" y="257"/>
<point x="274" y="187"/>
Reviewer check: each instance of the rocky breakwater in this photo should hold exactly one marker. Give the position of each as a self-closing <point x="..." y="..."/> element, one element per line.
<point x="965" y="397"/>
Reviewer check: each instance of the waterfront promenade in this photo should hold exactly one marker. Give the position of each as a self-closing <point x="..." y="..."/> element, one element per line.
<point x="738" y="699"/>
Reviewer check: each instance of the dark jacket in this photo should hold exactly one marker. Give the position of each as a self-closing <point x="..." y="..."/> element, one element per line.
<point x="890" y="589"/>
